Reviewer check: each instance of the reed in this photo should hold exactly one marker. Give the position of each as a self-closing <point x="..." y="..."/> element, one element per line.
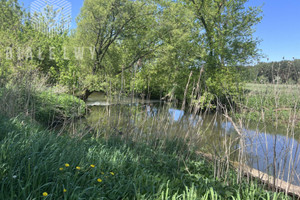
<point x="156" y="155"/>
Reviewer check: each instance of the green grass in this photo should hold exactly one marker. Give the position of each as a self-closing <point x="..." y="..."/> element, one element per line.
<point x="45" y="106"/>
<point x="31" y="158"/>
<point x="294" y="89"/>
<point x="51" y="107"/>
<point x="274" y="104"/>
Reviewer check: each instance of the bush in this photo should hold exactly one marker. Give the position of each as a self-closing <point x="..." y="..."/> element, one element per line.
<point x="222" y="87"/>
<point x="53" y="108"/>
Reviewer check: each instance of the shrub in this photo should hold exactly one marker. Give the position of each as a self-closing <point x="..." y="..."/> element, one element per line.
<point x="53" y="108"/>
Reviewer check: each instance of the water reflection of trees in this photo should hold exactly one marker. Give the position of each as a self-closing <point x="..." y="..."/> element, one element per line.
<point x="210" y="133"/>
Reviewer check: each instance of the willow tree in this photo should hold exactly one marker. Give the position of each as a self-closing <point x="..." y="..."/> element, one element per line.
<point x="215" y="35"/>
<point x="228" y="30"/>
<point x="121" y="32"/>
<point x="225" y="40"/>
<point x="170" y="38"/>
<point x="166" y="75"/>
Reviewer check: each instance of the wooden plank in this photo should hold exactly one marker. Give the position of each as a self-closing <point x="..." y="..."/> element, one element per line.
<point x="280" y="185"/>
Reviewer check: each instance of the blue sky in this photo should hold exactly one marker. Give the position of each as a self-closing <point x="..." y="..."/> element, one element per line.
<point x="279" y="29"/>
<point x="76" y="5"/>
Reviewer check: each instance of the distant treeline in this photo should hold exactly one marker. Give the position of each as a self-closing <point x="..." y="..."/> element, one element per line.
<point x="273" y="72"/>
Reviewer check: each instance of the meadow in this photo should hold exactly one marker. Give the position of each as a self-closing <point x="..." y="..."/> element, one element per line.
<point x="273" y="104"/>
<point x="284" y="88"/>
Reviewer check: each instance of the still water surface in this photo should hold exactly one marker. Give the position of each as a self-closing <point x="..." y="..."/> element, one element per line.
<point x="264" y="146"/>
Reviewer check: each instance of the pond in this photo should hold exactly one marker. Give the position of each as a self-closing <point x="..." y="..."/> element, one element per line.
<point x="265" y="148"/>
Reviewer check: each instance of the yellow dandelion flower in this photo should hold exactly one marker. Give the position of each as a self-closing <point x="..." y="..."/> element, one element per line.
<point x="112" y="173"/>
<point x="78" y="168"/>
<point x="99" y="180"/>
<point x="45" y="194"/>
<point x="67" y="165"/>
<point x="102" y="173"/>
<point x="60" y="169"/>
<point x="65" y="190"/>
<point x="92" y="166"/>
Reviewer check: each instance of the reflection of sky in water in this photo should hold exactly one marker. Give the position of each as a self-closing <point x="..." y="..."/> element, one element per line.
<point x="259" y="145"/>
<point x="227" y="127"/>
<point x="193" y="120"/>
<point x="260" y="150"/>
<point x="176" y="114"/>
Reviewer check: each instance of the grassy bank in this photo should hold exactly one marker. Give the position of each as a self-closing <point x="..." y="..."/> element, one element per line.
<point x="45" y="105"/>
<point x="37" y="164"/>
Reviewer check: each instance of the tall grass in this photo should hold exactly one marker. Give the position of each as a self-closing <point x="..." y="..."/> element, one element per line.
<point x="33" y="162"/>
<point x="136" y="154"/>
<point x="265" y="124"/>
<point x="266" y="109"/>
<point x="28" y="94"/>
